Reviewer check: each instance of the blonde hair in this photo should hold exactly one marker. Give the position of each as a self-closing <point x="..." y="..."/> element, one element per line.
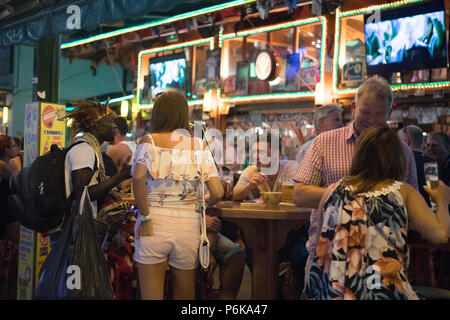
<point x="378" y="88"/>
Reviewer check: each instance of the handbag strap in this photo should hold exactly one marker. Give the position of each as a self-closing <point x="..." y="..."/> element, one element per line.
<point x="204" y="242"/>
<point x="381" y="232"/>
<point x="203" y="218"/>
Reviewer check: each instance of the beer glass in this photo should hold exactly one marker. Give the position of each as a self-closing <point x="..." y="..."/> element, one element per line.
<point x="287" y="188"/>
<point x="431" y="174"/>
<point x="432" y="178"/>
<point x="227" y="183"/>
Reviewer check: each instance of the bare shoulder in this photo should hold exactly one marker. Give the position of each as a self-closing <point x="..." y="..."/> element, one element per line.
<point x="144" y="139"/>
<point x="406" y="189"/>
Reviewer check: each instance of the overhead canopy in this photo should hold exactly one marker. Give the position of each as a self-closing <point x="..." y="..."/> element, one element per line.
<point x="71" y="16"/>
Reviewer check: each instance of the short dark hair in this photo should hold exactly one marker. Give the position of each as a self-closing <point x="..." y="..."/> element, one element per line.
<point x="121" y="125"/>
<point x="5" y="142"/>
<point x="443" y="136"/>
<point x="170" y="112"/>
<point x="18" y="141"/>
<point x="415" y="135"/>
<point x="378" y="155"/>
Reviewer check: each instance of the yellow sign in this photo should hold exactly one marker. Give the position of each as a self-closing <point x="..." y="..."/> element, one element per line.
<point x="42" y="251"/>
<point x="53" y="126"/>
<point x="52" y="131"/>
<point x="25" y="279"/>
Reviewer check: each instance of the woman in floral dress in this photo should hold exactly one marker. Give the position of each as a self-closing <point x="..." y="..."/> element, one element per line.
<point x="362" y="250"/>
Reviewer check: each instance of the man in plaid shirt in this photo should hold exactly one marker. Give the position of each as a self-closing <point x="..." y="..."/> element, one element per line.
<point x="330" y="156"/>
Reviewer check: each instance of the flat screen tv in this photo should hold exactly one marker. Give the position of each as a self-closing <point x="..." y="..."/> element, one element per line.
<point x="168" y="72"/>
<point x="409" y="38"/>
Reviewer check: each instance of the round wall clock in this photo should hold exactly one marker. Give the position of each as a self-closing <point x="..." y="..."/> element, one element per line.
<point x="264" y="65"/>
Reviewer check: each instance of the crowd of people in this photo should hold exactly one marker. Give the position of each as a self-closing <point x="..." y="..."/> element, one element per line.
<point x="364" y="181"/>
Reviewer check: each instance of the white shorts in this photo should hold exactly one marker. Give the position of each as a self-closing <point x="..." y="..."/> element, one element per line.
<point x="176" y="238"/>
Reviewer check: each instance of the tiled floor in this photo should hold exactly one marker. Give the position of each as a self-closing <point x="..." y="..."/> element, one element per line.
<point x="245" y="293"/>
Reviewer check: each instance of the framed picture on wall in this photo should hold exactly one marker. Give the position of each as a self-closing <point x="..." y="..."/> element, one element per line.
<point x="212" y="70"/>
<point x="242" y="70"/>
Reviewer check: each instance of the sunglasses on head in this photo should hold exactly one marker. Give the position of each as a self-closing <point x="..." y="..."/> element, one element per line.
<point x="159" y="94"/>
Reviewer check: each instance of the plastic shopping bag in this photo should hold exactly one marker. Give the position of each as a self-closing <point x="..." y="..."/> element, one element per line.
<point x="76" y="268"/>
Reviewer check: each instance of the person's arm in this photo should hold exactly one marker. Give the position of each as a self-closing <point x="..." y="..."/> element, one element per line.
<point x="213" y="226"/>
<point x="139" y="189"/>
<point x="326" y="193"/>
<point x="215" y="191"/>
<point x="82" y="178"/>
<point x="306" y="195"/>
<point x="308" y="178"/>
<point x="243" y="188"/>
<point x="433" y="227"/>
<point x="145" y="228"/>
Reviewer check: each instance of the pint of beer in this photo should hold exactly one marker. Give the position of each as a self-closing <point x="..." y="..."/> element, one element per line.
<point x="431" y="174"/>
<point x="287" y="188"/>
<point x="288" y="192"/>
<point x="432" y="179"/>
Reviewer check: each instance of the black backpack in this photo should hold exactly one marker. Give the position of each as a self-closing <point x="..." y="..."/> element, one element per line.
<point x="38" y="194"/>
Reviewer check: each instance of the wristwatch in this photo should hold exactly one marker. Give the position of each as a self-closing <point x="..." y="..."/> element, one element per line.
<point x="143" y="218"/>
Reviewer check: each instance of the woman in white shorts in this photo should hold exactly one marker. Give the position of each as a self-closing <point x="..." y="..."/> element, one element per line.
<point x="166" y="173"/>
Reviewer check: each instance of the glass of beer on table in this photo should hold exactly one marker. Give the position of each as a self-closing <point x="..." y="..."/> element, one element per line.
<point x="287" y="188"/>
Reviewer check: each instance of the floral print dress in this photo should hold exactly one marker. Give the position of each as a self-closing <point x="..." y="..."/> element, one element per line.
<point x="355" y="257"/>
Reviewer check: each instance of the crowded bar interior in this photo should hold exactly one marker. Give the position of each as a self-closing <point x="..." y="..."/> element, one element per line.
<point x="298" y="73"/>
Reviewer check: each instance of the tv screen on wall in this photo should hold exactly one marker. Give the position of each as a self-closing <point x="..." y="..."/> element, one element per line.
<point x="409" y="38"/>
<point x="168" y="72"/>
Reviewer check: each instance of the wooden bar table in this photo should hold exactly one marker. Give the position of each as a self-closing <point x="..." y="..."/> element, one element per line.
<point x="265" y="229"/>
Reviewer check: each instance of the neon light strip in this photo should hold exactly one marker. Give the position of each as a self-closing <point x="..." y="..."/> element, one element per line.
<point x="157" y="23"/>
<point x="396" y="87"/>
<point x="428" y="85"/>
<point x="129" y="97"/>
<point x="176" y="46"/>
<point x="150" y="105"/>
<point x="270" y="28"/>
<point x="287" y="95"/>
<point x="378" y="7"/>
<point x="323" y="49"/>
<point x="221" y="37"/>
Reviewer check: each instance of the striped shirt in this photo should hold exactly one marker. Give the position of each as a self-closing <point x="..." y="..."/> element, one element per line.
<point x="329" y="159"/>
